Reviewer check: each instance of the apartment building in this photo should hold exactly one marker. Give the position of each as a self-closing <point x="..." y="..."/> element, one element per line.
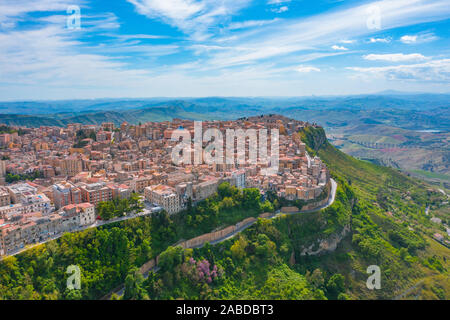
<point x="37" y="203"/>
<point x="120" y="191"/>
<point x="139" y="184"/>
<point x="108" y="126"/>
<point x="71" y="165"/>
<point x="82" y="214"/>
<point x="19" y="190"/>
<point x="28" y="229"/>
<point x="31" y="203"/>
<point x="95" y="193"/>
<point x="65" y="193"/>
<point x="5" y="138"/>
<point x="5" y="198"/>
<point x="165" y="197"/>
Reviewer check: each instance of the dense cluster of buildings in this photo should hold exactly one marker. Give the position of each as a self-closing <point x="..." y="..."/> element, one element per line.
<point x="28" y="216"/>
<point x="82" y="165"/>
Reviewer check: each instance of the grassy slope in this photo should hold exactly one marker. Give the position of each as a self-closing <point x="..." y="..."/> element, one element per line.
<point x="381" y="189"/>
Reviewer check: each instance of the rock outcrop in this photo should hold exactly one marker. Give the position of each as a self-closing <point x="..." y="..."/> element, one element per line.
<point x="326" y="245"/>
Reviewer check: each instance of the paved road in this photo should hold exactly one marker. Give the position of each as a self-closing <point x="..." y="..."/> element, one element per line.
<point x="96" y="224"/>
<point x="329" y="203"/>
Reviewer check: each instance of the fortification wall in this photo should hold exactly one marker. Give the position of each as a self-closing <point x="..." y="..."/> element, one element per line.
<point x="148" y="266"/>
<point x="208" y="237"/>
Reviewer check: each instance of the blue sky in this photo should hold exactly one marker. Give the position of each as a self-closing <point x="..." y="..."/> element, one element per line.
<point x="190" y="48"/>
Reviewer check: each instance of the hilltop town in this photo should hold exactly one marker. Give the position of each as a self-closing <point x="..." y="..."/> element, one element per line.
<point x="77" y="168"/>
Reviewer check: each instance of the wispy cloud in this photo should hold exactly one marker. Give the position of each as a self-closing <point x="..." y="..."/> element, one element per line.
<point x="90" y="22"/>
<point x="250" y="24"/>
<point x="436" y="71"/>
<point x="307" y="69"/>
<point x="193" y="17"/>
<point x="50" y="55"/>
<point x="288" y="37"/>
<point x="277" y="1"/>
<point x="408" y="39"/>
<point x="278" y="6"/>
<point x="418" y="38"/>
<point x="341" y="48"/>
<point x="396" y="57"/>
<point x="347" y="41"/>
<point x="280" y="9"/>
<point x="381" y="40"/>
<point x="13" y="11"/>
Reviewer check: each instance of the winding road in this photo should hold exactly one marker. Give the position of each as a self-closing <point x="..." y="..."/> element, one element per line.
<point x="329" y="203"/>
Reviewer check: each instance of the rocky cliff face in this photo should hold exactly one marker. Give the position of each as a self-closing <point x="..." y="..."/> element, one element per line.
<point x="326" y="245"/>
<point x="314" y="137"/>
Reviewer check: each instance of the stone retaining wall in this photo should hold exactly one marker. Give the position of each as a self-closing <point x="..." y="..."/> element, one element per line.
<point x="208" y="237"/>
<point x="310" y="206"/>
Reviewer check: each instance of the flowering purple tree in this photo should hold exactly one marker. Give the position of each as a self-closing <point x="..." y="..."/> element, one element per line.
<point x="203" y="271"/>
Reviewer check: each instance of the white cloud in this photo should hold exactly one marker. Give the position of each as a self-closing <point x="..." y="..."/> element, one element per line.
<point x="396" y="57"/>
<point x="408" y="39"/>
<point x="382" y="40"/>
<point x="317" y="55"/>
<point x="347" y="41"/>
<point x="193" y="17"/>
<point x="432" y="71"/>
<point x="277" y="1"/>
<point x="51" y="59"/>
<point x="280" y="9"/>
<point x="418" y="38"/>
<point x="295" y="35"/>
<point x="126" y="37"/>
<point x="250" y="24"/>
<point x="51" y="55"/>
<point x="307" y="69"/>
<point x="278" y="6"/>
<point x="12" y="11"/>
<point x="341" y="48"/>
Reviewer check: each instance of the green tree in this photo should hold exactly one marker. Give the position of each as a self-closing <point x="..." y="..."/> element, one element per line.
<point x="224" y="190"/>
<point x="238" y="248"/>
<point x="227" y="203"/>
<point x="335" y="285"/>
<point x="251" y="198"/>
<point x="170" y="258"/>
<point x="134" y="289"/>
<point x="316" y="278"/>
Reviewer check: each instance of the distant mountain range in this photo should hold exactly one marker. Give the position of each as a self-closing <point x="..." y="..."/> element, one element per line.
<point x="421" y="111"/>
